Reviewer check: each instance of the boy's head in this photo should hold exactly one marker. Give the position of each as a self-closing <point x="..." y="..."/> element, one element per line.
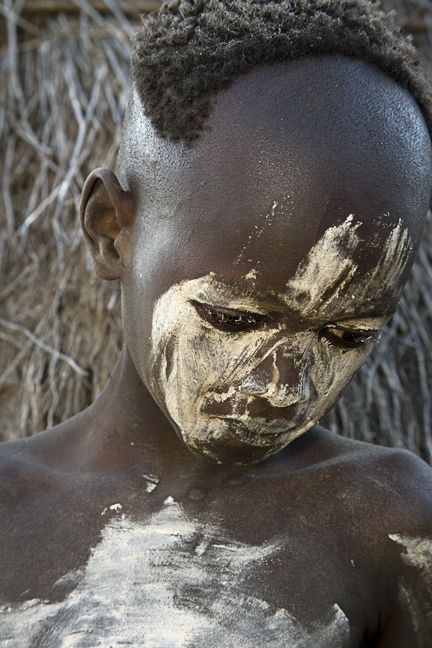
<point x="192" y="49"/>
<point x="259" y="264"/>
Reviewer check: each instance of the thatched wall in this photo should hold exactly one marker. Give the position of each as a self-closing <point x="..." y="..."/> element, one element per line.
<point x="65" y="83"/>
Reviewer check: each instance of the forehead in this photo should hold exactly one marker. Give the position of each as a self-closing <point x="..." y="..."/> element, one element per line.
<point x="328" y="284"/>
<point x="290" y="151"/>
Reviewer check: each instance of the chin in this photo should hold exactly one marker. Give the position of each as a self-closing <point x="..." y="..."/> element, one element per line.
<point x="226" y="442"/>
<point x="230" y="455"/>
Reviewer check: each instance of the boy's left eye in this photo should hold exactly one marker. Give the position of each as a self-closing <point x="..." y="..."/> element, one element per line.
<point x="349" y="339"/>
<point x="228" y="320"/>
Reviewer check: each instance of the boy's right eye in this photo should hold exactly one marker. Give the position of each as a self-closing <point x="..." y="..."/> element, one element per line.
<point x="226" y="320"/>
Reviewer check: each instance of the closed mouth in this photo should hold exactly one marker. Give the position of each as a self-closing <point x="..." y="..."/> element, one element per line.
<point x="244" y="432"/>
<point x="262" y="418"/>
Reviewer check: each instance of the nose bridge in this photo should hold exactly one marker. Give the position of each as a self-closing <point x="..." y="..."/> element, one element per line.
<point x="280" y="376"/>
<point x="288" y="360"/>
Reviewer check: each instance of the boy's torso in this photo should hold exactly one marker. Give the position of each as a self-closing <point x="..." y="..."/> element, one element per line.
<point x="265" y="556"/>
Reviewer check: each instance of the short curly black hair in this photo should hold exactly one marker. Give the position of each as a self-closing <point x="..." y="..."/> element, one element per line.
<point x="191" y="49"/>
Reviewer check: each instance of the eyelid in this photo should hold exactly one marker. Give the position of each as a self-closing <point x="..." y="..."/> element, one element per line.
<point x="226" y="311"/>
<point x="205" y="311"/>
<point x="374" y="324"/>
<point x="240" y="310"/>
<point x="352" y="329"/>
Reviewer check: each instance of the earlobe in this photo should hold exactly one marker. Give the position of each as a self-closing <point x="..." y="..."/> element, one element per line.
<point x="105" y="212"/>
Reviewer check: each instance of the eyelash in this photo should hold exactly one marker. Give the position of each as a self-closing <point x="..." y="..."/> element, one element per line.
<point x="348" y="339"/>
<point x="228" y="321"/>
<point x="235" y="322"/>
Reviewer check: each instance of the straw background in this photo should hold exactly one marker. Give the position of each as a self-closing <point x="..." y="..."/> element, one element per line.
<point x="63" y="91"/>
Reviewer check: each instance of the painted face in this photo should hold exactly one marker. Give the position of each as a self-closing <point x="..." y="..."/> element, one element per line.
<point x="265" y="259"/>
<point x="233" y="367"/>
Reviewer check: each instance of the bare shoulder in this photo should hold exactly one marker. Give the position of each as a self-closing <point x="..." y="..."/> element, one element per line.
<point x="33" y="467"/>
<point x="20" y="467"/>
<point x="388" y="487"/>
<point x="47" y="514"/>
<point x="379" y="508"/>
<point x="396" y="514"/>
<point x="332" y="448"/>
<point x="400" y="478"/>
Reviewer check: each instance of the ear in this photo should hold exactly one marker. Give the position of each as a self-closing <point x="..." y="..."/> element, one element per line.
<point x="105" y="211"/>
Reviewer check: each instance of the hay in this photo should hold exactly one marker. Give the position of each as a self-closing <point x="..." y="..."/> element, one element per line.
<point x="64" y="91"/>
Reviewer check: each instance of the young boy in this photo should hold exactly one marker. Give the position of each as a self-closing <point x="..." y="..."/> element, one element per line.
<point x="271" y="190"/>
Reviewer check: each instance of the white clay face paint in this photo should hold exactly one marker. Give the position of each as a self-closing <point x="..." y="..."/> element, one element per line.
<point x="263" y="386"/>
<point x="170" y="583"/>
<point x="329" y="268"/>
<point x="328" y="264"/>
<point x="209" y="380"/>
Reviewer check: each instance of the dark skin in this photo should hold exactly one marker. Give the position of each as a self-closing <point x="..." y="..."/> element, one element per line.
<point x="329" y="504"/>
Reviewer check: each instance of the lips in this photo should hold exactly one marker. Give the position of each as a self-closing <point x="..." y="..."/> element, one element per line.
<point x="257" y="410"/>
<point x="247" y="432"/>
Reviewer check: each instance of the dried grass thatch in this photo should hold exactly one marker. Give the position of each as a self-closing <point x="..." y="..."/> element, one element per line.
<point x="62" y="99"/>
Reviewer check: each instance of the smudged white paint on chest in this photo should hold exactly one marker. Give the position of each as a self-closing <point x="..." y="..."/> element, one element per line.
<point x="151" y="482"/>
<point x="169" y="583"/>
<point x="415" y="593"/>
<point x="418" y="552"/>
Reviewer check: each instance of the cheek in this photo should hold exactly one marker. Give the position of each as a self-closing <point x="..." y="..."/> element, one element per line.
<point x="332" y="369"/>
<point x="187" y="357"/>
<point x="194" y="359"/>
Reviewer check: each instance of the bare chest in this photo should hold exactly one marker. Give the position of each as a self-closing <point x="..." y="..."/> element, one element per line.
<point x="172" y="583"/>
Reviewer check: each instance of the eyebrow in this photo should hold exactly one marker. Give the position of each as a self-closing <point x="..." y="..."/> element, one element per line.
<point x="242" y="289"/>
<point x="271" y="299"/>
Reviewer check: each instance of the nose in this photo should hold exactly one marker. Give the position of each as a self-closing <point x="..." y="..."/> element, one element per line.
<point x="279" y="378"/>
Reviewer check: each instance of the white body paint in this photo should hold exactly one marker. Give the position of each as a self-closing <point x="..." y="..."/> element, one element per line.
<point x="151" y="482"/>
<point x="329" y="264"/>
<point x="209" y="380"/>
<point x="135" y="591"/>
<point x="256" y="234"/>
<point x="329" y="267"/>
<point x="418" y="552"/>
<point x="415" y="594"/>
